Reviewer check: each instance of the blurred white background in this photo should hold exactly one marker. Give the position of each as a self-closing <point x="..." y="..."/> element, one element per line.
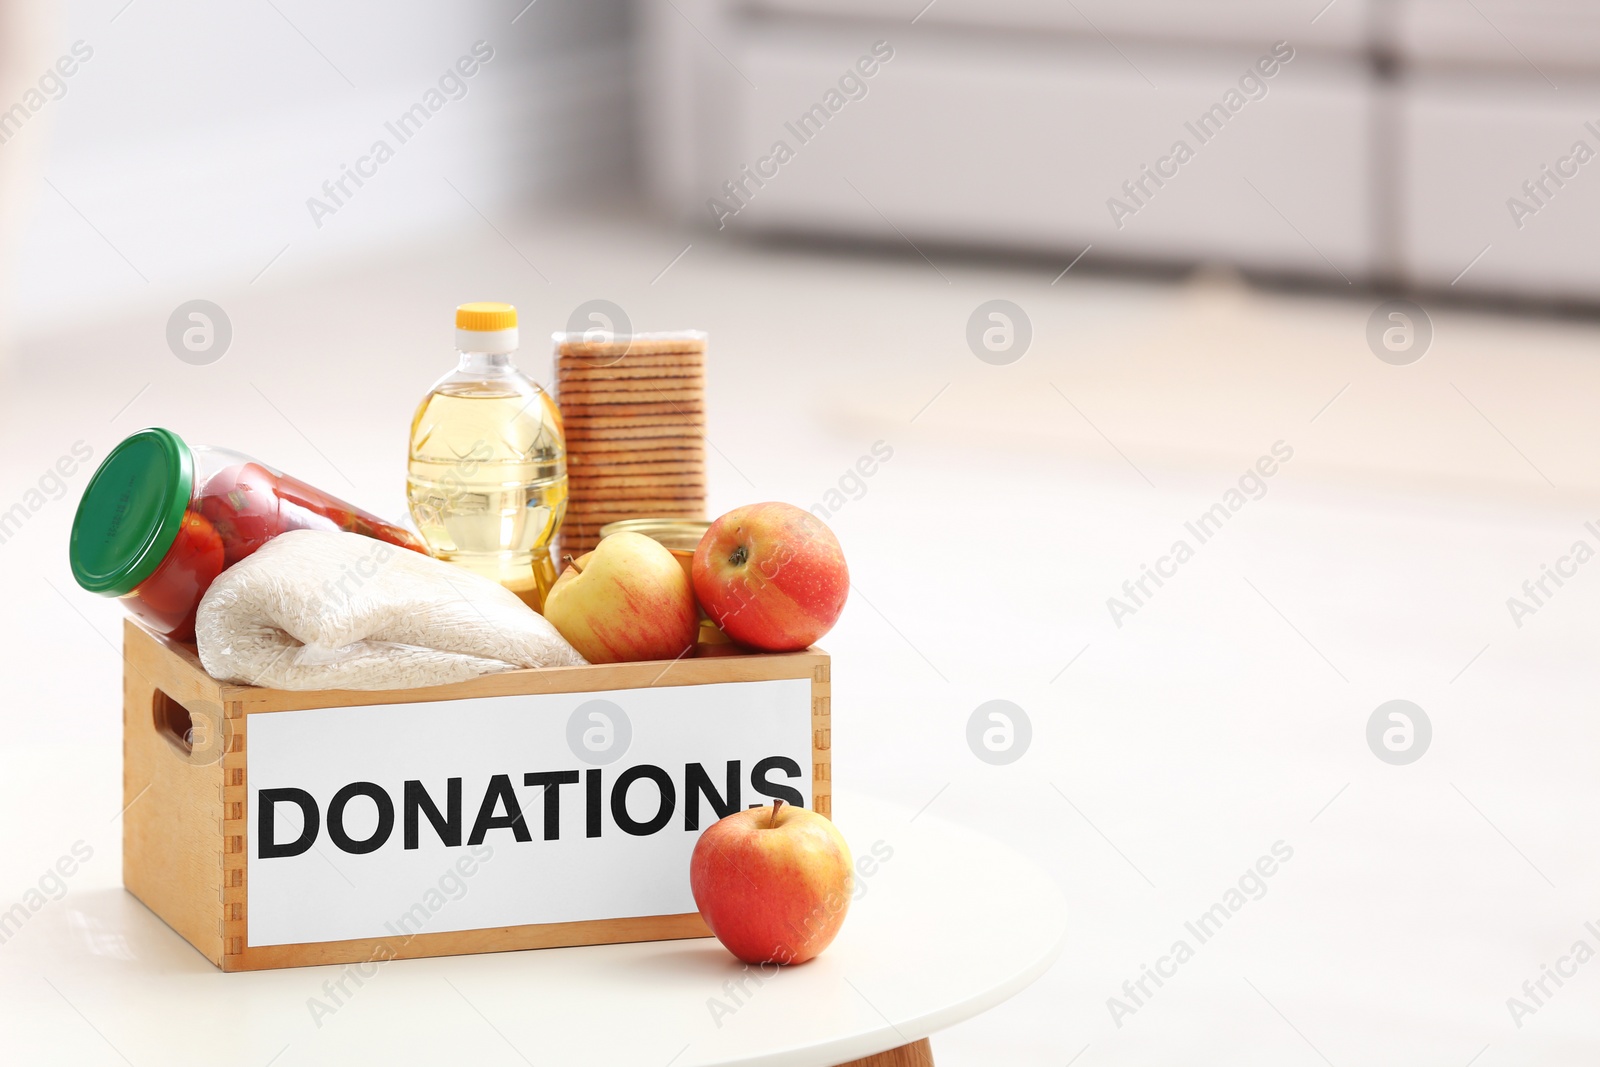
<point x="1168" y="753"/>
<point x="193" y="137"/>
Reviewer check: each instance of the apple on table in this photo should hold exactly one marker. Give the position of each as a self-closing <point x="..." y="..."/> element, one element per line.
<point x="773" y="883"/>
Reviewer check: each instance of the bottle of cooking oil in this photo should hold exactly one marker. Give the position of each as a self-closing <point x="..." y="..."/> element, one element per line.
<point x="487" y="480"/>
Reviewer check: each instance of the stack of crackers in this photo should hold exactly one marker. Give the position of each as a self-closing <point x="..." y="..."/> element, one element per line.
<point x="635" y="415"/>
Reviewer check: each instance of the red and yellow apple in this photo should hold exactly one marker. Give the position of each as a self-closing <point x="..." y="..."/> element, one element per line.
<point x="627" y="600"/>
<point x="773" y="883"/>
<point x="772" y="576"/>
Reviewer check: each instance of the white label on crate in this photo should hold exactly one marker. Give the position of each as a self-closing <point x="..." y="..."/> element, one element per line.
<point x="398" y="819"/>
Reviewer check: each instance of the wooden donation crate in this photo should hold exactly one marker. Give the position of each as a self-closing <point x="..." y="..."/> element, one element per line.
<point x="527" y="809"/>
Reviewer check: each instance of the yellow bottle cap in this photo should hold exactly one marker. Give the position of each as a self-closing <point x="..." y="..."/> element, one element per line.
<point x="486" y="316"/>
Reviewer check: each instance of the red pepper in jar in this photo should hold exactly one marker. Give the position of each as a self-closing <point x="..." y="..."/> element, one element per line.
<point x="161" y="519"/>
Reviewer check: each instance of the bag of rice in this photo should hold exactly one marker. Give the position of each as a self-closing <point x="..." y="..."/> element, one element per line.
<point x="318" y="610"/>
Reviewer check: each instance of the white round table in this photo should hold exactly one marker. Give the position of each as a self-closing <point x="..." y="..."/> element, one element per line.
<point x="948" y="925"/>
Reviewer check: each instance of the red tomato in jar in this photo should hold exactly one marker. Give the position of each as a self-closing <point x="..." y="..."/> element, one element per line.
<point x="242" y="503"/>
<point x="305" y="507"/>
<point x="168" y="598"/>
<point x="251" y="504"/>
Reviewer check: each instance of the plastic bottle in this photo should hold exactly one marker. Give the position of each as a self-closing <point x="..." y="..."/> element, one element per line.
<point x="487" y="478"/>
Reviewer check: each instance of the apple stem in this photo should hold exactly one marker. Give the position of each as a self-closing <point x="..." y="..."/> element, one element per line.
<point x="569" y="561"/>
<point x="776" y="804"/>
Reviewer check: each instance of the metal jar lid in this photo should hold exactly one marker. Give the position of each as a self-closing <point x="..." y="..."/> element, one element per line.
<point x="681" y="535"/>
<point x="131" y="512"/>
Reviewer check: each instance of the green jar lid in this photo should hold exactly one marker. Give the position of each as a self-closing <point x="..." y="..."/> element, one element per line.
<point x="131" y="512"/>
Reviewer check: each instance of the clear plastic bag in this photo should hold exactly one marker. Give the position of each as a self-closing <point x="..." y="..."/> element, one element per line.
<point x="318" y="610"/>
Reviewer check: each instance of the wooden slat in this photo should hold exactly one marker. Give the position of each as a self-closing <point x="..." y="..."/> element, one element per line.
<point x="172" y="828"/>
<point x="461" y="942"/>
<point x="593" y="678"/>
<point x="822" y="740"/>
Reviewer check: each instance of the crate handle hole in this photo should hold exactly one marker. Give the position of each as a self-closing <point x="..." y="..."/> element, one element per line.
<point x="173" y="722"/>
